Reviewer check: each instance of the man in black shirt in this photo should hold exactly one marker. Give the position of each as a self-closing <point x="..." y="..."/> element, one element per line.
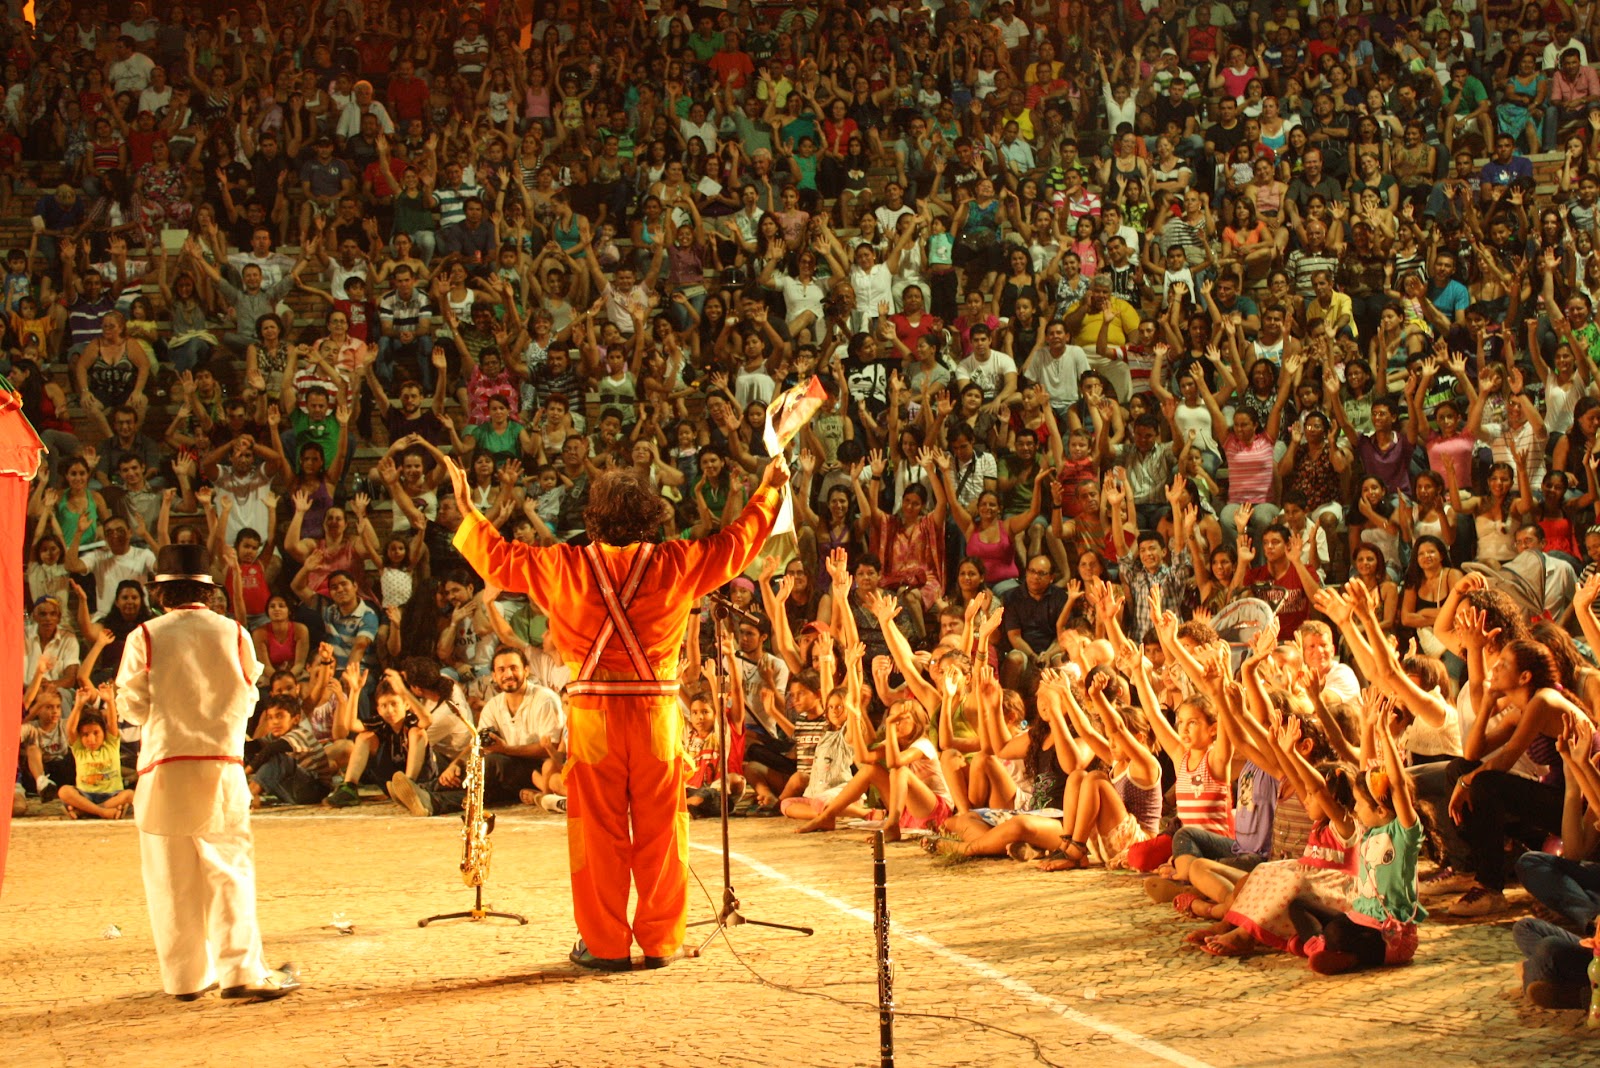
<point x="1225" y="135"/>
<point x="1171" y="110"/>
<point x="1032" y="612"/>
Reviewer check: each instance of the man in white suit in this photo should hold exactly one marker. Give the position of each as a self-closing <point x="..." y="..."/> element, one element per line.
<point x="188" y="679"/>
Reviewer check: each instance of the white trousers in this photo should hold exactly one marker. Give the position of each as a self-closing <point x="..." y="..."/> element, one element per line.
<point x="202" y="896"/>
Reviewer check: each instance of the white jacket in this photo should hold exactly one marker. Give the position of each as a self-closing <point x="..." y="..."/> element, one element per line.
<point x="188" y="679"/>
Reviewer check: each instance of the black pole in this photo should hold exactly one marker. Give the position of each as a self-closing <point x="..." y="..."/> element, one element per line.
<point x="728" y="915"/>
<point x="719" y="616"/>
<point x="880" y="923"/>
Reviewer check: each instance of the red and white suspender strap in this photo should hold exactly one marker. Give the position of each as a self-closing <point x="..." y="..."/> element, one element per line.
<point x="618" y="625"/>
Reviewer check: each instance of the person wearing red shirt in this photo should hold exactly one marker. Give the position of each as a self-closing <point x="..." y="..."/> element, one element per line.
<point x="731" y="67"/>
<point x="1283" y="568"/>
<point x="408" y="94"/>
<point x="914" y="322"/>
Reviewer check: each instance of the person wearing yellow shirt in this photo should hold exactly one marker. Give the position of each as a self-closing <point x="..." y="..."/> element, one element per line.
<point x="1101" y="318"/>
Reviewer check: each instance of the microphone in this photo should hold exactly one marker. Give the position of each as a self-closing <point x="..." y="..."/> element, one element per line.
<point x="723" y="606"/>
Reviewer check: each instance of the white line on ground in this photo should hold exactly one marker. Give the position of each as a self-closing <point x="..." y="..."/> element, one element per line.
<point x="1000" y="978"/>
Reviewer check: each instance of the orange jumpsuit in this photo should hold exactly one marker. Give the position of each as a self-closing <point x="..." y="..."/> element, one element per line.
<point x="625" y="766"/>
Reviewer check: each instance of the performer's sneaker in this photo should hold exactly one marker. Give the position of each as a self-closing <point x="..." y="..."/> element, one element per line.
<point x="553" y="803"/>
<point x="343" y="796"/>
<point x="408" y="795"/>
<point x="281" y="982"/>
<point x="581" y="956"/>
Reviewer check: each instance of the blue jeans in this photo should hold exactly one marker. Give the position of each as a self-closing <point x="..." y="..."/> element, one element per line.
<point x="189" y="355"/>
<point x="1209" y="845"/>
<point x="1570" y="887"/>
<point x="426" y="242"/>
<point x="419" y="349"/>
<point x="1261" y="517"/>
<point x="1550" y="954"/>
<point x="284" y="778"/>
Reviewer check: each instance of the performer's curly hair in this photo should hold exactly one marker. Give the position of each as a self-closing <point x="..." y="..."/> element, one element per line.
<point x="622" y="509"/>
<point x="183" y="591"/>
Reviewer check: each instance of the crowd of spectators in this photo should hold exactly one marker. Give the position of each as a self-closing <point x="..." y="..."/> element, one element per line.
<point x="1206" y="481"/>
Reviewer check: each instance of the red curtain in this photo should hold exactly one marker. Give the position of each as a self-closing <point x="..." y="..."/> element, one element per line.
<point x="13" y="503"/>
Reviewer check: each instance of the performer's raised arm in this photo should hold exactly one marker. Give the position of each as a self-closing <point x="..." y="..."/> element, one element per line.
<point x="510" y="565"/>
<point x="728" y="552"/>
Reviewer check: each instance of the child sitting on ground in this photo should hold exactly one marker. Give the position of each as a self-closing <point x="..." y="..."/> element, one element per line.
<point x="274" y="758"/>
<point x="704" y="788"/>
<point x="904" y="768"/>
<point x="1270" y="901"/>
<point x="1380" y="926"/>
<point x="396" y="743"/>
<point x="97" y="752"/>
<point x="833" y="757"/>
<point x="810" y="725"/>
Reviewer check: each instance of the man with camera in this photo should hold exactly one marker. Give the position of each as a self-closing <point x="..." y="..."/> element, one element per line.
<point x="519" y="727"/>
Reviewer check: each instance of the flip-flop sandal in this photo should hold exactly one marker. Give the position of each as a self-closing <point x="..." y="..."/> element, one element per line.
<point x="1182" y="902"/>
<point x="528" y="797"/>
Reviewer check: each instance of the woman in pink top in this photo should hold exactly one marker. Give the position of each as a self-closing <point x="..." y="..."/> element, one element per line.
<point x="1235" y="76"/>
<point x="990" y="538"/>
<point x="1450" y="447"/>
<point x="1251" y="467"/>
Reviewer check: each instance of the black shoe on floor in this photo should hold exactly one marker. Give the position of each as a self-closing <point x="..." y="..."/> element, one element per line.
<point x="662" y="962"/>
<point x="581" y="956"/>
<point x="280" y="982"/>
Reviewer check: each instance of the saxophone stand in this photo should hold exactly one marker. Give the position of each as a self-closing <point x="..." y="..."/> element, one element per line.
<point x="728" y="915"/>
<point x="475" y="865"/>
<point x="476" y="913"/>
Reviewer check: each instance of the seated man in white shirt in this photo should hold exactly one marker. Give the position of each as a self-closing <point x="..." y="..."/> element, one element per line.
<point x="1335" y="680"/>
<point x="1560" y="580"/>
<point x="120" y="559"/>
<point x="992" y="371"/>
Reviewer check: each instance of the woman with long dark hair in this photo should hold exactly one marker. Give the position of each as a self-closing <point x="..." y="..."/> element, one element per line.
<point x="1489" y="802"/>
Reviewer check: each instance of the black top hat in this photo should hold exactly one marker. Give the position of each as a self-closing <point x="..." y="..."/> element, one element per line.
<point x="183" y="563"/>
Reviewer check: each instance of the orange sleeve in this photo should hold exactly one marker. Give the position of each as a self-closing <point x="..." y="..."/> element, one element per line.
<point x="712" y="561"/>
<point x="513" y="566"/>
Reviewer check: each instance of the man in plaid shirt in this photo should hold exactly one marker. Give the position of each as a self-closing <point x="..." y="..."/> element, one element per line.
<point x="1146" y="568"/>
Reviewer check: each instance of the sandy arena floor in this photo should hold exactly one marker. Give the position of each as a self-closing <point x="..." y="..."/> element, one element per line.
<point x="1080" y="961"/>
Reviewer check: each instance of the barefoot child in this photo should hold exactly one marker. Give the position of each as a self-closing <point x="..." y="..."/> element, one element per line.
<point x="98" y="754"/>
<point x="1268" y="902"/>
<point x="1027" y="835"/>
<point x="1380" y="926"/>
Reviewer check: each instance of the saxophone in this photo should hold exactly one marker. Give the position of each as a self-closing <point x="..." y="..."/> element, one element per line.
<point x="476" y="822"/>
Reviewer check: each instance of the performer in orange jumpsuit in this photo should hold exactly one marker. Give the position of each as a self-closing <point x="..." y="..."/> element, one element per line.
<point x="621" y="603"/>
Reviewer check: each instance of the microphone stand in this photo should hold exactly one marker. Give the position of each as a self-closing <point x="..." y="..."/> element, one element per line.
<point x="728" y="915"/>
